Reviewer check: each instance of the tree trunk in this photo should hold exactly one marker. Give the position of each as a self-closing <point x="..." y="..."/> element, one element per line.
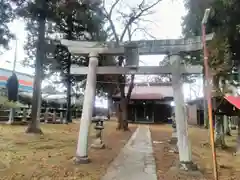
<point x="205" y="104"/>
<point x="219" y="132"/>
<point x="61" y="113"/>
<point x="69" y="85"/>
<point x="206" y="119"/>
<point x="125" y="114"/>
<point x="119" y="116"/>
<point x="238" y="139"/>
<point x="110" y="105"/>
<point x="34" y="125"/>
<point x="227" y="129"/>
<point x="123" y="107"/>
<point x="69" y="112"/>
<point x="233" y="122"/>
<point x="219" y="122"/>
<point x="122" y="115"/>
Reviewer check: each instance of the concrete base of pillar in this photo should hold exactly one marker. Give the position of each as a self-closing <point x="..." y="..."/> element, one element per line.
<point x="173" y="140"/>
<point x="9" y="122"/>
<point x="187" y="169"/>
<point x="188" y="166"/>
<point x="81" y="160"/>
<point x="236" y="153"/>
<point x="98" y="144"/>
<point x="65" y="121"/>
<point x="174" y="149"/>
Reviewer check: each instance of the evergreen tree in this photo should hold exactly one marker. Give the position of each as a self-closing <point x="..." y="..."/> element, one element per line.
<point x="70" y="20"/>
<point x="6" y="16"/>
<point x="223" y="54"/>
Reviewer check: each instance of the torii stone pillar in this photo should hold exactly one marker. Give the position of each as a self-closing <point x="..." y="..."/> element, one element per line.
<point x="185" y="154"/>
<point x="88" y="103"/>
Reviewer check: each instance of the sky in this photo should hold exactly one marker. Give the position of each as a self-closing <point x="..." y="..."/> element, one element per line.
<point x="165" y="24"/>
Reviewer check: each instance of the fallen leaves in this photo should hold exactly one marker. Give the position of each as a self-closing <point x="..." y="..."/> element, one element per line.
<point x="49" y="156"/>
<point x="228" y="165"/>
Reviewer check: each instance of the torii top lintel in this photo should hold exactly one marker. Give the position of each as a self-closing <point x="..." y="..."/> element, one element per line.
<point x="145" y="47"/>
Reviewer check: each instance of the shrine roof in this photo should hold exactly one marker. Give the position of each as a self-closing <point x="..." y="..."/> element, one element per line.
<point x="149" y="92"/>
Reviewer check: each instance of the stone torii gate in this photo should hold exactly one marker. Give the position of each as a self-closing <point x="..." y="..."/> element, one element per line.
<point x="132" y="50"/>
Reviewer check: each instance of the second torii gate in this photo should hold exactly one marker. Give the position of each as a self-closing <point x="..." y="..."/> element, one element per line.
<point x="171" y="47"/>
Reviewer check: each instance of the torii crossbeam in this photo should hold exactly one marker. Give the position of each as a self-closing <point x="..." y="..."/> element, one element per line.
<point x="145" y="47"/>
<point x="77" y="71"/>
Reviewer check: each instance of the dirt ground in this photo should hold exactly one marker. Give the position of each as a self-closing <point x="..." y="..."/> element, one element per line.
<point x="228" y="165"/>
<point x="49" y="156"/>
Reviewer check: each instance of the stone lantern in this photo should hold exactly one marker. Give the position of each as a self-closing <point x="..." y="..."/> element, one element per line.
<point x="98" y="142"/>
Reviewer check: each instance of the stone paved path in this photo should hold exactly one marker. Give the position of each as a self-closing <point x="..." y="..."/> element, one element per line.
<point x="136" y="161"/>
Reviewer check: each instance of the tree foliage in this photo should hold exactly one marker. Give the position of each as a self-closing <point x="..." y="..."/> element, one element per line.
<point x="223" y="21"/>
<point x="6" y="16"/>
<point x="195" y="12"/>
<point x="71" y="20"/>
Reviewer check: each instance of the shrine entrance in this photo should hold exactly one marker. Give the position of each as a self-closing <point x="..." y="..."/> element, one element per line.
<point x="144" y="112"/>
<point x="131" y="50"/>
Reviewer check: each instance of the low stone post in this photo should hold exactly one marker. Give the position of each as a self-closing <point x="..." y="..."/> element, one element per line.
<point x="46" y="115"/>
<point x="54" y="116"/>
<point x="61" y="113"/>
<point x="11" y="116"/>
<point x="24" y="114"/>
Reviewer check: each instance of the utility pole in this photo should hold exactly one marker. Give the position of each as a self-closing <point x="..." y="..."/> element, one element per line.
<point x="208" y="92"/>
<point x="12" y="110"/>
<point x="15" y="56"/>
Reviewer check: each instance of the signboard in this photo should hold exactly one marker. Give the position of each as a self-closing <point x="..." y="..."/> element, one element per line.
<point x="25" y="81"/>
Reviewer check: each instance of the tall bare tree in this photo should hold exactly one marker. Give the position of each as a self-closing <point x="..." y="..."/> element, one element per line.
<point x="131" y="18"/>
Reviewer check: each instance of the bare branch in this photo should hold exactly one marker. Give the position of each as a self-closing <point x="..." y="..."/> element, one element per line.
<point x="108" y="15"/>
<point x="149" y="21"/>
<point x="135" y="15"/>
<point x="113" y="6"/>
<point x="195" y="92"/>
<point x="129" y="34"/>
<point x="144" y="31"/>
<point x="114" y="31"/>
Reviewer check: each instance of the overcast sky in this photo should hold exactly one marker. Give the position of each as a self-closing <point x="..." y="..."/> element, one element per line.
<point x="167" y="25"/>
<point x="167" y="18"/>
